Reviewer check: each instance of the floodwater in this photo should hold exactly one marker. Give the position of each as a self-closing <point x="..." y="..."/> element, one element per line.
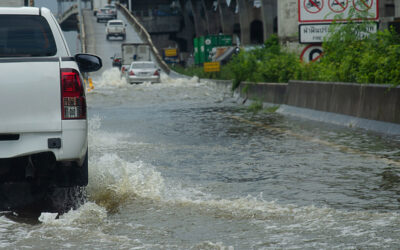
<point x="184" y="165"/>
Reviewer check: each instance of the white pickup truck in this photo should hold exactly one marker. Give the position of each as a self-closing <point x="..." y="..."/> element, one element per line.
<point x="43" y="129"/>
<point x="116" y="28"/>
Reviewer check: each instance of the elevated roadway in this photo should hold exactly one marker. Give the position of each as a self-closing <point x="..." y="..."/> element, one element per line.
<point x="69" y="19"/>
<point x="97" y="42"/>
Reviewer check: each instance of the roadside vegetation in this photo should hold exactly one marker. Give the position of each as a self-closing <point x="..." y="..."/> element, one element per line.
<point x="347" y="58"/>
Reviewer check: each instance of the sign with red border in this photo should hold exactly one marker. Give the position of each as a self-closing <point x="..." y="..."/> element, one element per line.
<point x="311" y="53"/>
<point x="327" y="10"/>
<point x="363" y="5"/>
<point x="313" y="6"/>
<point x="338" y="6"/>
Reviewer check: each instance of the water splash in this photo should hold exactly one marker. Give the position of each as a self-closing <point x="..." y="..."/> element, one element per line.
<point x="110" y="78"/>
<point x="114" y="181"/>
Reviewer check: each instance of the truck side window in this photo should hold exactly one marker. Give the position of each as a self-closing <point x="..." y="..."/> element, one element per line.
<point x="25" y="35"/>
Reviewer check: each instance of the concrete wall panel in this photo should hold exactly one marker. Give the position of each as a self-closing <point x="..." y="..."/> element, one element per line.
<point x="374" y="102"/>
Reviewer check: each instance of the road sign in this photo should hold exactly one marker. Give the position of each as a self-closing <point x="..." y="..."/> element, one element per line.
<point x="212" y="67"/>
<point x="338" y="6"/>
<point x="313" y="6"/>
<point x="316" y="32"/>
<point x="311" y="53"/>
<point x="363" y="5"/>
<point x="327" y="10"/>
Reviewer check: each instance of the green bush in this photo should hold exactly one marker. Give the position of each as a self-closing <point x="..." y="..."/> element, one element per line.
<point x="347" y="58"/>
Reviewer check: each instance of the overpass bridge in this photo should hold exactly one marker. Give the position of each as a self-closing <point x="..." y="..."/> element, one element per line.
<point x="69" y="19"/>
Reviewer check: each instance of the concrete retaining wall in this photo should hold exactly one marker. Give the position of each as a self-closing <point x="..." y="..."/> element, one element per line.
<point x="369" y="101"/>
<point x="265" y="92"/>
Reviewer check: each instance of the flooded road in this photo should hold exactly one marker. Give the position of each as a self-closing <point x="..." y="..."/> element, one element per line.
<point x="184" y="165"/>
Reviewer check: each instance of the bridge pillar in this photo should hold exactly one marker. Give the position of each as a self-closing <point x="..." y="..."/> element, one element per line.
<point x="251" y="23"/>
<point x="397" y="8"/>
<point x="200" y="24"/>
<point x="269" y="14"/>
<point x="212" y="17"/>
<point x="288" y="20"/>
<point x="227" y="17"/>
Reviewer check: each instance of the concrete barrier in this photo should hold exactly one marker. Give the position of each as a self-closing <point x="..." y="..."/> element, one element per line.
<point x="265" y="92"/>
<point x="368" y="101"/>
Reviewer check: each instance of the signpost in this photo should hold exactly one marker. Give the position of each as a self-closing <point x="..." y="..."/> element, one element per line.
<point x="212" y="66"/>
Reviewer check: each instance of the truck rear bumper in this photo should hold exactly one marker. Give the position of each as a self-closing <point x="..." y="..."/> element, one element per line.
<point x="138" y="79"/>
<point x="68" y="145"/>
<point x="116" y="34"/>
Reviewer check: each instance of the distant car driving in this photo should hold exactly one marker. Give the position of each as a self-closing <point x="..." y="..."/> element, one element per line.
<point x="104" y="14"/>
<point x="113" y="10"/>
<point x="143" y="71"/>
<point x="116" y="60"/>
<point x="116" y="28"/>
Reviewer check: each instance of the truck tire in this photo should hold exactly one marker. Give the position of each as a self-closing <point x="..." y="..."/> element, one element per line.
<point x="82" y="173"/>
<point x="108" y="37"/>
<point x="123" y="37"/>
<point x="62" y="200"/>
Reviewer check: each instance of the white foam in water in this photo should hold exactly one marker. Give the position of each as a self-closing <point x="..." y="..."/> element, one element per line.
<point x="110" y="78"/>
<point x="88" y="213"/>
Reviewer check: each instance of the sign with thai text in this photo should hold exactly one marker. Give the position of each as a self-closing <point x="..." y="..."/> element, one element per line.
<point x="316" y="32"/>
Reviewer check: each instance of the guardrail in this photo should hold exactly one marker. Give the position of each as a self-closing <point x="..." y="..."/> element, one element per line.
<point x="144" y="35"/>
<point x="82" y="34"/>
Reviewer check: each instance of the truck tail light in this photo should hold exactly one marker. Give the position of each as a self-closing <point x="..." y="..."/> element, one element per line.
<point x="73" y="100"/>
<point x="156" y="73"/>
<point x="131" y="73"/>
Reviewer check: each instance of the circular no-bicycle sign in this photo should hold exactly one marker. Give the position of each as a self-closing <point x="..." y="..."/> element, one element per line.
<point x="338" y="6"/>
<point x="313" y="6"/>
<point x="311" y="53"/>
<point x="363" y="5"/>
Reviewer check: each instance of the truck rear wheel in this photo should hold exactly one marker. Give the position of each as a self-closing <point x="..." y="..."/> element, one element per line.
<point x="82" y="173"/>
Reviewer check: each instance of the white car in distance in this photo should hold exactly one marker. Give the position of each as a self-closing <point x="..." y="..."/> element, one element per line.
<point x="116" y="28"/>
<point x="143" y="71"/>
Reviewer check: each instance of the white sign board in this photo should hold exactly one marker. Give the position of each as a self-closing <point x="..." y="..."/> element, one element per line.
<point x="328" y="10"/>
<point x="316" y="32"/>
